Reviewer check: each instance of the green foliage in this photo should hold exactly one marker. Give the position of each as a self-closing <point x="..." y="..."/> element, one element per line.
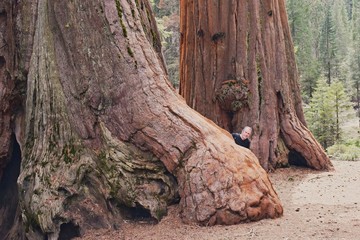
<point x="163" y="8"/>
<point x="304" y="30"/>
<point x="340" y="102"/>
<point x="349" y="151"/>
<point x="320" y="114"/>
<point x="326" y="37"/>
<point x="321" y="35"/>
<point x="325" y="108"/>
<point x="353" y="142"/>
<point x="324" y="111"/>
<point x="328" y="47"/>
<point x="355" y="56"/>
<point x="342" y="28"/>
<point x="168" y="20"/>
<point x="165" y="34"/>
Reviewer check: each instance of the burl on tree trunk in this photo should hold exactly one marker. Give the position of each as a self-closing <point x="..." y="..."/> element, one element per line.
<point x="99" y="129"/>
<point x="238" y="68"/>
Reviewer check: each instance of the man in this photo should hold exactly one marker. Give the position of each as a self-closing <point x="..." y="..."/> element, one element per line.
<point x="242" y="139"/>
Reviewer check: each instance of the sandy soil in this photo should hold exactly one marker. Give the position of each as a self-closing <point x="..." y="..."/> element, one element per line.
<point x="317" y="205"/>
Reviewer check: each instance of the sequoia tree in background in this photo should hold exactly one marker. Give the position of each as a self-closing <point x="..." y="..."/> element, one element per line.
<point x="87" y="108"/>
<point x="237" y="67"/>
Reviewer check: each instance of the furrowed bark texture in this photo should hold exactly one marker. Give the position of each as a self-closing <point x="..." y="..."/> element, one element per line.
<point x="10" y="99"/>
<point x="100" y="130"/>
<point x="238" y="68"/>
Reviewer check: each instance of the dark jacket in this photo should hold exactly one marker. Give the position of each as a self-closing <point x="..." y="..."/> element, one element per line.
<point x="239" y="141"/>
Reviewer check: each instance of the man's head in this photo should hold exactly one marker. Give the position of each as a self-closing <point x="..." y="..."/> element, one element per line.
<point x="246" y="132"/>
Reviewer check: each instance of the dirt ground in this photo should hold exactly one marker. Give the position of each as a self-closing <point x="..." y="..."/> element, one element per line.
<point x="317" y="205"/>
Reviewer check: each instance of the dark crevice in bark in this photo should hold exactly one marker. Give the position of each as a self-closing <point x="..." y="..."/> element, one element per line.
<point x="2" y="61"/>
<point x="230" y="116"/>
<point x="176" y="198"/>
<point x="9" y="197"/>
<point x="69" y="231"/>
<point x="297" y="159"/>
<point x="136" y="213"/>
<point x="271" y="159"/>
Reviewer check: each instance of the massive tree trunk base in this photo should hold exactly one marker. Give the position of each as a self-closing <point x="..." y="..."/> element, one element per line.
<point x="304" y="149"/>
<point x="239" y="69"/>
<point x="228" y="183"/>
<point x="219" y="183"/>
<point x="100" y="130"/>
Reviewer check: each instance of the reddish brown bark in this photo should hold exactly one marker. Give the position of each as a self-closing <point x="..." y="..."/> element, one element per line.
<point x="10" y="99"/>
<point x="101" y="130"/>
<point x="238" y="68"/>
<point x="6" y="86"/>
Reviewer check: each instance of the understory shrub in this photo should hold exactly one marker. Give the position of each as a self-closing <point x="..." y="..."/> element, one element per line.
<point x="349" y="151"/>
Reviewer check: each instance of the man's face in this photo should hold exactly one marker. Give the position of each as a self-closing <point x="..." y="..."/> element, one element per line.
<point x="246" y="133"/>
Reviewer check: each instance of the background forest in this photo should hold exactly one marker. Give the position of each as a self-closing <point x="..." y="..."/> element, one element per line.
<point x="326" y="36"/>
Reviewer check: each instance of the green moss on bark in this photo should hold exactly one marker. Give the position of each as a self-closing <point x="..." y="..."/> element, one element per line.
<point x="120" y="14"/>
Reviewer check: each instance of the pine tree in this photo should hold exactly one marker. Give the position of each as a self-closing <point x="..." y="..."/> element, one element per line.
<point x="328" y="47"/>
<point x="325" y="109"/>
<point x="342" y="28"/>
<point x="355" y="60"/>
<point x="320" y="114"/>
<point x="305" y="40"/>
<point x="340" y="103"/>
<point x="349" y="8"/>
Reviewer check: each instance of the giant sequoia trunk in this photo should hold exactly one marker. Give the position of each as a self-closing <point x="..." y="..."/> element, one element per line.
<point x="87" y="108"/>
<point x="238" y="68"/>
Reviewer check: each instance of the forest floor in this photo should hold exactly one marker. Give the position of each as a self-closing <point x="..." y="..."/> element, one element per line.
<point x="317" y="205"/>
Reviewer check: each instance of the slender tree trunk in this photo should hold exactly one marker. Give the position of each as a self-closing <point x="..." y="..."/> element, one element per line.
<point x="100" y="129"/>
<point x="238" y="68"/>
